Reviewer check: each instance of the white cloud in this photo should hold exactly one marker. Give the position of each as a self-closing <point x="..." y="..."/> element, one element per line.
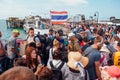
<point x="10" y="8"/>
<point x="21" y="8"/>
<point x="74" y="2"/>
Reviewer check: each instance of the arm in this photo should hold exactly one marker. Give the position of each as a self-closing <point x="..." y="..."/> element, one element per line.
<point x="12" y="45"/>
<point x="14" y="51"/>
<point x="98" y="73"/>
<point x="38" y="44"/>
<point x="39" y="59"/>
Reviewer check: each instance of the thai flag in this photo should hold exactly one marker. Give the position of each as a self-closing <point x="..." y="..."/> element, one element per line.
<point x="58" y="17"/>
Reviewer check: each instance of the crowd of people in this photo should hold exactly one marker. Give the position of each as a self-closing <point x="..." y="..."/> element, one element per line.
<point x="88" y="52"/>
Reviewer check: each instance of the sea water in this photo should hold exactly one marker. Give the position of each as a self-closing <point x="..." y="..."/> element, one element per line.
<point x="7" y="32"/>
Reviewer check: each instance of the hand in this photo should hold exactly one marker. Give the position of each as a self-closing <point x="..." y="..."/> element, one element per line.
<point x="38" y="44"/>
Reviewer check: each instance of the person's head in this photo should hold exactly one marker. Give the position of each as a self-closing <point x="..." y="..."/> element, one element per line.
<point x="32" y="44"/>
<point x="71" y="36"/>
<point x="86" y="40"/>
<point x="59" y="33"/>
<point x="18" y="73"/>
<point x="76" y="57"/>
<point x="56" y="43"/>
<point x="31" y="32"/>
<point x="116" y="38"/>
<point x="43" y="73"/>
<point x="118" y="46"/>
<point x="98" y="42"/>
<point x="15" y="33"/>
<point x="0" y="34"/>
<point x="51" y="31"/>
<point x="19" y="62"/>
<point x="31" y="57"/>
<point x="57" y="54"/>
<point x="31" y="53"/>
<point x="95" y="30"/>
<point x="74" y="47"/>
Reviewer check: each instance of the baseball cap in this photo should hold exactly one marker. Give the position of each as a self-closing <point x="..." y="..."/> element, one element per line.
<point x="15" y="31"/>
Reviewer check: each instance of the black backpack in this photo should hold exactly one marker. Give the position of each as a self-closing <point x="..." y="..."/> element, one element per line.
<point x="57" y="74"/>
<point x="42" y="38"/>
<point x="5" y="64"/>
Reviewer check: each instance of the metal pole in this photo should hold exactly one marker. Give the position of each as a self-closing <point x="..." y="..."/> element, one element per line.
<point x="97" y="15"/>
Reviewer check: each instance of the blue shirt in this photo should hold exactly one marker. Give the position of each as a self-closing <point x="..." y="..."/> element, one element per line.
<point x="93" y="55"/>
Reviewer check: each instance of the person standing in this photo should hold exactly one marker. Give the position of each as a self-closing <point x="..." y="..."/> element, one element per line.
<point x="94" y="57"/>
<point x="30" y="37"/>
<point x="5" y="62"/>
<point x="12" y="45"/>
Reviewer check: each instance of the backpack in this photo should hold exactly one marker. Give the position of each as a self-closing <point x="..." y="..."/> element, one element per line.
<point x="117" y="59"/>
<point x="57" y="74"/>
<point x="42" y="38"/>
<point x="69" y="75"/>
<point x="5" y="64"/>
<point x="112" y="50"/>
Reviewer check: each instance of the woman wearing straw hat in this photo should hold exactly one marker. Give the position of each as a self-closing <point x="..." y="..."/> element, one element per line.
<point x="74" y="69"/>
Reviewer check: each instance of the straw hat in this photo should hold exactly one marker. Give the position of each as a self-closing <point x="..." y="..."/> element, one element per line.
<point x="74" y="57"/>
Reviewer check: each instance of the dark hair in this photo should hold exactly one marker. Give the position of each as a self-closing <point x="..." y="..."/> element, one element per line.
<point x="18" y="73"/>
<point x="51" y="30"/>
<point x="32" y="44"/>
<point x="19" y="62"/>
<point x="57" y="54"/>
<point x="118" y="44"/>
<point x="60" y="32"/>
<point x="100" y="32"/>
<point x="30" y="29"/>
<point x="44" y="73"/>
<point x="45" y="35"/>
<point x="94" y="30"/>
<point x="86" y="39"/>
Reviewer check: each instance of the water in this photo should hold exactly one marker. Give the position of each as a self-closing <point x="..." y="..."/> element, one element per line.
<point x="7" y="32"/>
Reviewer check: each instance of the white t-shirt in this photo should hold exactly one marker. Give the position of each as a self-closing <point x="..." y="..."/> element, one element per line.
<point x="30" y="39"/>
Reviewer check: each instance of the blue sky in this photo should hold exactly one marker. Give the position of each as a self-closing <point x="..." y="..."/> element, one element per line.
<point x="22" y="8"/>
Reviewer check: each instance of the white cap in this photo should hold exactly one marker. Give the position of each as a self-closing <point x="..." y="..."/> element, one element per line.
<point x="70" y="35"/>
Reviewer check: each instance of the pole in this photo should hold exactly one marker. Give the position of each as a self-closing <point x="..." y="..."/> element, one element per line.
<point x="97" y="15"/>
